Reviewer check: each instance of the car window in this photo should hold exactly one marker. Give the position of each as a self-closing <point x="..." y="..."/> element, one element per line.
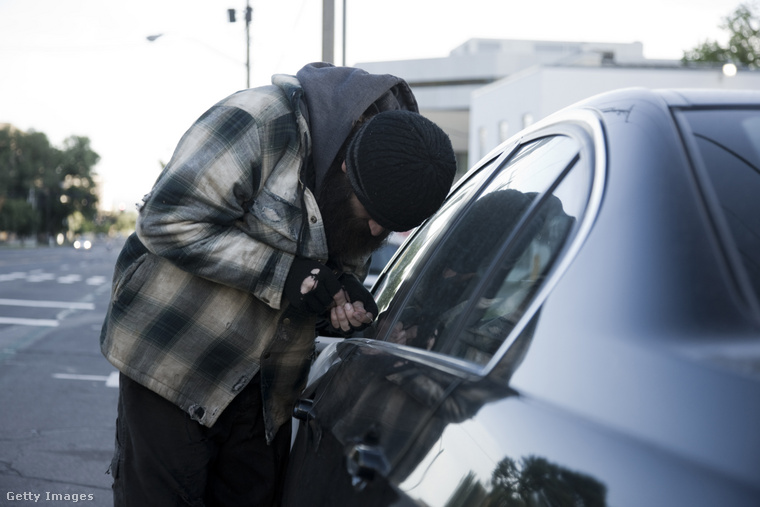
<point x="728" y="142"/>
<point x="412" y="255"/>
<point x="465" y="298"/>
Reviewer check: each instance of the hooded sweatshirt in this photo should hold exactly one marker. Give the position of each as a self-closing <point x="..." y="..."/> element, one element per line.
<point x="336" y="97"/>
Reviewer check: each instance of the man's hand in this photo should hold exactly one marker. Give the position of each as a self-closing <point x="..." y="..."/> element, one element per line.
<point x="356" y="308"/>
<point x="348" y="316"/>
<point x="311" y="286"/>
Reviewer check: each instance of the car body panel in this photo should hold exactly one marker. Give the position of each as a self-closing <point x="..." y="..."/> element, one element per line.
<point x="574" y="457"/>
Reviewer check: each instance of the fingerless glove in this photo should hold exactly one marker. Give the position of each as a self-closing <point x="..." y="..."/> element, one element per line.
<point x="310" y="286"/>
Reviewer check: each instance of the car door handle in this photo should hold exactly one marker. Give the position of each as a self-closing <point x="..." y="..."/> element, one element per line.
<point x="364" y="462"/>
<point x="303" y="409"/>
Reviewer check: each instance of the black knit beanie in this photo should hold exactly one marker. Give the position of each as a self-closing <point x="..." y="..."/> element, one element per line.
<point x="401" y="166"/>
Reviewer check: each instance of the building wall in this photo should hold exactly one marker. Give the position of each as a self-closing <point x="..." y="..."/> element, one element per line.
<point x="534" y="94"/>
<point x="444" y="86"/>
<point x="486" y="90"/>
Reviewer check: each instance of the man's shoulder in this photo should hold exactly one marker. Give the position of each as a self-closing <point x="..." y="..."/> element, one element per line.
<point x="265" y="102"/>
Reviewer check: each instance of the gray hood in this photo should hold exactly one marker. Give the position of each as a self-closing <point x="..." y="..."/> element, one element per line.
<point x="336" y="96"/>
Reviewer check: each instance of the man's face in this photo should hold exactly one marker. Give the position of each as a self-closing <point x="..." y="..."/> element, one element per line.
<point x="360" y="212"/>
<point x="351" y="232"/>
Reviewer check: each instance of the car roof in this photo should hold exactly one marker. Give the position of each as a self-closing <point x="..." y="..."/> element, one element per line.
<point x="700" y="97"/>
<point x="680" y="97"/>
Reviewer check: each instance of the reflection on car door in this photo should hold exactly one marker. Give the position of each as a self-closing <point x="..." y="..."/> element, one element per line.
<point x="370" y="410"/>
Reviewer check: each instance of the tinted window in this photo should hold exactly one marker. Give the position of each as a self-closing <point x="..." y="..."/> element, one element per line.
<point x="497" y="245"/>
<point x="413" y="254"/>
<point x="729" y="146"/>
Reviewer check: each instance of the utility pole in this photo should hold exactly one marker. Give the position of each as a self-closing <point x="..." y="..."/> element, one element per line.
<point x="328" y="31"/>
<point x="248" y="17"/>
<point x="343" y="46"/>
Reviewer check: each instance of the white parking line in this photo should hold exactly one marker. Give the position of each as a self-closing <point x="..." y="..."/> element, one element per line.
<point x="29" y="322"/>
<point x="40" y="277"/>
<point x="47" y="304"/>
<point x="111" y="380"/>
<point x="68" y="279"/>
<point x="17" y="275"/>
<point x="71" y="376"/>
<point x="96" y="280"/>
<point x="37" y="276"/>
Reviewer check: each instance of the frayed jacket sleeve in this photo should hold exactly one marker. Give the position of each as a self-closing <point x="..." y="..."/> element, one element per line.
<point x="198" y="213"/>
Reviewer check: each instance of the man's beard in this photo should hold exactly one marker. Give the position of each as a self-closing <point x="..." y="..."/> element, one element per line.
<point x="348" y="237"/>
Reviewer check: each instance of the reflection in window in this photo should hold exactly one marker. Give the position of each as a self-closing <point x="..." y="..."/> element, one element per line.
<point x="480" y="280"/>
<point x="409" y="259"/>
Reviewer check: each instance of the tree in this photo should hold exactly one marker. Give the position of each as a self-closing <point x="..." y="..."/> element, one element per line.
<point x="23" y="158"/>
<point x="72" y="187"/>
<point x="743" y="47"/>
<point x="41" y="186"/>
<point x="18" y="216"/>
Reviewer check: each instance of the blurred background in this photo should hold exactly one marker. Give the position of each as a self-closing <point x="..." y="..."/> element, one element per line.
<point x="112" y="86"/>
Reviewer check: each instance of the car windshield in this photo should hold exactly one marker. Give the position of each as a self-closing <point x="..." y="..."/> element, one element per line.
<point x="728" y="143"/>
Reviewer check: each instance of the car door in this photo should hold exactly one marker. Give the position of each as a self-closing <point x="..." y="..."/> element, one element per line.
<point x="457" y="309"/>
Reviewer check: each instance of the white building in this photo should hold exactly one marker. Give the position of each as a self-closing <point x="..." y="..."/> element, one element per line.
<point x="487" y="90"/>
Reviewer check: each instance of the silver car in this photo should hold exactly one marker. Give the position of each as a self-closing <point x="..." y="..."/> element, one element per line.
<point x="578" y="325"/>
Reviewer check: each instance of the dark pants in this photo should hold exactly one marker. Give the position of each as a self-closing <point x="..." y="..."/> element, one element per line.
<point x="163" y="458"/>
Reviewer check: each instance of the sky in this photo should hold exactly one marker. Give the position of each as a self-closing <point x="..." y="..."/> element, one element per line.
<point x="86" y="67"/>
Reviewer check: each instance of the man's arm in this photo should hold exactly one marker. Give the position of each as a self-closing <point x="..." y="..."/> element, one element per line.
<point x="192" y="215"/>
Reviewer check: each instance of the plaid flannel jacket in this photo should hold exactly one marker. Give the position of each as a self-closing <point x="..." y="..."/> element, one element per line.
<point x="196" y="307"/>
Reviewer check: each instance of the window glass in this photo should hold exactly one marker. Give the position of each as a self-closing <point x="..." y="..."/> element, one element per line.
<point x="729" y="145"/>
<point x="411" y="256"/>
<point x="477" y="283"/>
<point x="518" y="269"/>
